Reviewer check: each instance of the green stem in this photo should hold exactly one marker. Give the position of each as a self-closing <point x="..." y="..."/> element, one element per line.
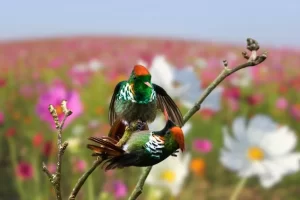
<point x="91" y="193"/>
<point x="13" y="159"/>
<point x="36" y="162"/>
<point x="238" y="188"/>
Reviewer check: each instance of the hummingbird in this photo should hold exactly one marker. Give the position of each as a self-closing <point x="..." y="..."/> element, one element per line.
<point x="143" y="148"/>
<point x="137" y="99"/>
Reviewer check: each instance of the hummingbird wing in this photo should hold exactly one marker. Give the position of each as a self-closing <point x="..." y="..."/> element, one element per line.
<point x="112" y="115"/>
<point x="164" y="101"/>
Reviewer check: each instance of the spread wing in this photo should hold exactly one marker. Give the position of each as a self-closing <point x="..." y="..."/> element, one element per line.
<point x="164" y="101"/>
<point x="112" y="115"/>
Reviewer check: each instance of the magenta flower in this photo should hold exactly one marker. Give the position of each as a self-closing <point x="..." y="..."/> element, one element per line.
<point x="202" y="145"/>
<point x="120" y="189"/>
<point x="281" y="103"/>
<point x="24" y="171"/>
<point x="55" y="95"/>
<point x="1" y="118"/>
<point x="295" y="111"/>
<point x="80" y="166"/>
<point x="51" y="167"/>
<point x="56" y="62"/>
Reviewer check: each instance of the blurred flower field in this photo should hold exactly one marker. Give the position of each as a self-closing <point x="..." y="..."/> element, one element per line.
<point x="248" y="126"/>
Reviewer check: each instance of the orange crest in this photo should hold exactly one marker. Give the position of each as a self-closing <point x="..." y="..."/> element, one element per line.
<point x="179" y="137"/>
<point x="140" y="70"/>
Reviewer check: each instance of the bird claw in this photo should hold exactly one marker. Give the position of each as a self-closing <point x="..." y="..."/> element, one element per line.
<point x="175" y="153"/>
<point x="141" y="125"/>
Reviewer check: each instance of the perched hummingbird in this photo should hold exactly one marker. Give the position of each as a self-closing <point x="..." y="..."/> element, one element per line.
<point x="143" y="148"/>
<point x="138" y="99"/>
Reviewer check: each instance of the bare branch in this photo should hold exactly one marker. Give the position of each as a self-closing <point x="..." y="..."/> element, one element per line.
<point x="55" y="178"/>
<point x="252" y="60"/>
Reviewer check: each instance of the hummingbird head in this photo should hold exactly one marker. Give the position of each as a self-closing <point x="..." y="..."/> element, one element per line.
<point x="140" y="74"/>
<point x="173" y="131"/>
<point x="178" y="136"/>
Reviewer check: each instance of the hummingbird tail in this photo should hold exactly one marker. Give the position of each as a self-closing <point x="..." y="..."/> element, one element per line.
<point x="106" y="146"/>
<point x="121" y="161"/>
<point x="117" y="129"/>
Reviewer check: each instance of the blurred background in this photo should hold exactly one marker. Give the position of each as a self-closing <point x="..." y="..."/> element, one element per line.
<point x="79" y="51"/>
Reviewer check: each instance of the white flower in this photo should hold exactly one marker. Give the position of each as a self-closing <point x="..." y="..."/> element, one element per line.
<point x="160" y="122"/>
<point x="182" y="84"/>
<point x="74" y="144"/>
<point x="78" y="129"/>
<point x="95" y="65"/>
<point x="170" y="173"/>
<point x="242" y="78"/>
<point x="261" y="149"/>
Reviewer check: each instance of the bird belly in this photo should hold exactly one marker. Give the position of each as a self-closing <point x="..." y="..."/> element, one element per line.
<point x="131" y="111"/>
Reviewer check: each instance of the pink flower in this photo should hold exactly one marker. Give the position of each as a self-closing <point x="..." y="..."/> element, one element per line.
<point x="80" y="166"/>
<point x="51" y="167"/>
<point x="55" y="63"/>
<point x="1" y="118"/>
<point x="255" y="99"/>
<point x="47" y="148"/>
<point x="295" y="111"/>
<point x="37" y="139"/>
<point x="26" y="91"/>
<point x="281" y="103"/>
<point x="2" y="82"/>
<point x="120" y="189"/>
<point x="24" y="171"/>
<point x="55" y="95"/>
<point x="202" y="145"/>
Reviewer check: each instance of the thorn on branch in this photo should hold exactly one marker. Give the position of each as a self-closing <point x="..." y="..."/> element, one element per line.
<point x="245" y="55"/>
<point x="225" y="63"/>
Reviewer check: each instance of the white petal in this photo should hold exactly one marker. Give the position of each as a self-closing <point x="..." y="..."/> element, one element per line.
<point x="186" y="128"/>
<point x="279" y="142"/>
<point x="161" y="72"/>
<point x="290" y="163"/>
<point x="213" y="101"/>
<point x="268" y="181"/>
<point x="232" y="161"/>
<point x="239" y="128"/>
<point x="228" y="141"/>
<point x="273" y="173"/>
<point x="258" y="127"/>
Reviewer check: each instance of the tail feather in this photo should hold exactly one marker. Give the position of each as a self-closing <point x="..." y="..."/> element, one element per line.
<point x="119" y="126"/>
<point x="107" y="144"/>
<point x="117" y="130"/>
<point x="105" y="147"/>
<point x="121" y="161"/>
<point x="102" y="151"/>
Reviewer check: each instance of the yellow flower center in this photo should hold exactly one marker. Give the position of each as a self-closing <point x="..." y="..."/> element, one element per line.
<point x="168" y="176"/>
<point x="255" y="153"/>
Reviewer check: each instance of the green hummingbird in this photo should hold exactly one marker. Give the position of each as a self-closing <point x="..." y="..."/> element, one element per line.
<point x="143" y="148"/>
<point x="137" y="99"/>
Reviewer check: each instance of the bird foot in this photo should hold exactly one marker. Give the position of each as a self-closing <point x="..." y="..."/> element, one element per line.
<point x="141" y="125"/>
<point x="175" y="153"/>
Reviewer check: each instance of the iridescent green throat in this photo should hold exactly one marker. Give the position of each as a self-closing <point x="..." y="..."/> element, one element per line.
<point x="138" y="94"/>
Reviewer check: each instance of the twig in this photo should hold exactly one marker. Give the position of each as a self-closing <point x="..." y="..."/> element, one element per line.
<point x="56" y="177"/>
<point x="139" y="186"/>
<point x="252" y="60"/>
<point x="83" y="178"/>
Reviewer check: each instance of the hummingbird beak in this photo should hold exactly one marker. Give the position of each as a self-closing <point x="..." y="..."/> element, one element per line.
<point x="148" y="84"/>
